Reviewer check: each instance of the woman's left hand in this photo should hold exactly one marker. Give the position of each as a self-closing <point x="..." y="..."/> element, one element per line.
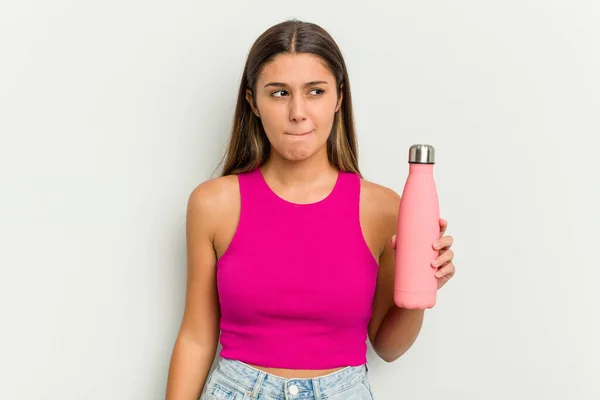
<point x="443" y="263"/>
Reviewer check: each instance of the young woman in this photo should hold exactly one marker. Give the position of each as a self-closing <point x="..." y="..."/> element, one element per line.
<point x="290" y="251"/>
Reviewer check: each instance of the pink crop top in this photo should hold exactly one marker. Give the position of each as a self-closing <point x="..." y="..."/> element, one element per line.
<point x="296" y="283"/>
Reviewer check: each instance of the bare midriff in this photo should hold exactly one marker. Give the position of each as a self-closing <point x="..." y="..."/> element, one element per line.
<point x="296" y="373"/>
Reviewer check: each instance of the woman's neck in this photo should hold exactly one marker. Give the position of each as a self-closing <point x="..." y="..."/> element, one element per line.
<point x="316" y="170"/>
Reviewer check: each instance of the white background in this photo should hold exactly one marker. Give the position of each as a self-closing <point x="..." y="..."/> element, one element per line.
<point x="111" y="112"/>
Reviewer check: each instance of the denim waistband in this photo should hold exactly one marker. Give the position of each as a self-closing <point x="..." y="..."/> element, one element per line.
<point x="255" y="381"/>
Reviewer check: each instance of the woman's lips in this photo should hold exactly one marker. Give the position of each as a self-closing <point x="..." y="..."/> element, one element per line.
<point x="300" y="133"/>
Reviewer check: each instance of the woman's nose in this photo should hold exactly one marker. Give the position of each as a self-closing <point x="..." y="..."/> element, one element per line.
<point x="297" y="109"/>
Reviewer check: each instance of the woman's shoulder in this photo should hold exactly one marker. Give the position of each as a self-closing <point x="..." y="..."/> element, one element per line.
<point x="215" y="196"/>
<point x="379" y="209"/>
<point x="378" y="194"/>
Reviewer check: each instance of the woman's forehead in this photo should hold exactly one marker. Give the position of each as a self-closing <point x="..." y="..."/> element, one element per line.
<point x="296" y="69"/>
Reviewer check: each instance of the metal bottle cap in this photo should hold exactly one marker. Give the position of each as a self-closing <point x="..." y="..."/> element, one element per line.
<point x="421" y="154"/>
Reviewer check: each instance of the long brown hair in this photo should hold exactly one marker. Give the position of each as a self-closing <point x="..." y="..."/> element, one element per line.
<point x="248" y="146"/>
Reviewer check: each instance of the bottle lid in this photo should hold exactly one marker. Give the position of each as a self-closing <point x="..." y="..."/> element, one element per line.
<point x="421" y="154"/>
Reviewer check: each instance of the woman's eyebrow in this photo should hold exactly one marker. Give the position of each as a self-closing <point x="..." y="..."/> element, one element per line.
<point x="281" y="84"/>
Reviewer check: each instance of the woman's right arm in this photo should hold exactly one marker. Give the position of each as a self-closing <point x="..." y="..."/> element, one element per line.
<point x="196" y="343"/>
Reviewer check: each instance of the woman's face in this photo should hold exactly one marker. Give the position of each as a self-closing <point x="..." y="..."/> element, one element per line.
<point x="296" y="100"/>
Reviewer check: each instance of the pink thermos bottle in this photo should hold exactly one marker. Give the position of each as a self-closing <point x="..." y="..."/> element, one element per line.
<point x="415" y="284"/>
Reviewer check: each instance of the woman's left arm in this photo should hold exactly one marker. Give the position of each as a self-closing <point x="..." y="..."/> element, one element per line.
<point x="393" y="329"/>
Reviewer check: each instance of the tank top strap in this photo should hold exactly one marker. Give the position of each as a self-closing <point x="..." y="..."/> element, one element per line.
<point x="248" y="182"/>
<point x="253" y="192"/>
<point x="347" y="191"/>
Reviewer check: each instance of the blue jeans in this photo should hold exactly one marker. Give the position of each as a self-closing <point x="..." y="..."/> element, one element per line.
<point x="235" y="380"/>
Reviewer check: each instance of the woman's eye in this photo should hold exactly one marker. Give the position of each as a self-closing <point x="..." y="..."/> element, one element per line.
<point x="278" y="93"/>
<point x="281" y="93"/>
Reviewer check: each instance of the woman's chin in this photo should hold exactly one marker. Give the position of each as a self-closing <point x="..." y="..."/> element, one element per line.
<point x="300" y="148"/>
<point x="298" y="153"/>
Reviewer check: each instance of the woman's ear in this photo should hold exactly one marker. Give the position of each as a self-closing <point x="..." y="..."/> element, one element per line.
<point x="250" y="100"/>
